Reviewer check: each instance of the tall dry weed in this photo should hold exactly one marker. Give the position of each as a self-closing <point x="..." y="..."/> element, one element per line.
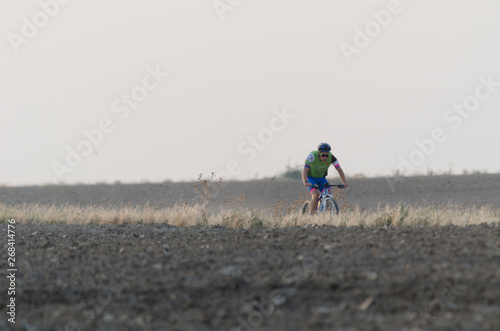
<point x="206" y="188"/>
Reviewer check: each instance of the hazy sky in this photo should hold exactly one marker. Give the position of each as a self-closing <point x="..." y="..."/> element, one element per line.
<point x="96" y="91"/>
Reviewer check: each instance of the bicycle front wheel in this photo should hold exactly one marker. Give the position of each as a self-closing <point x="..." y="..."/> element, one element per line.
<point x="305" y="208"/>
<point x="332" y="207"/>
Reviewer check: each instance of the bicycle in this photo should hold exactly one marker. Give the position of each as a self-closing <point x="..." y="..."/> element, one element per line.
<point x="325" y="201"/>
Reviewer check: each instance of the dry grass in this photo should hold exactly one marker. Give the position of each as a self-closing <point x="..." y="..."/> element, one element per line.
<point x="282" y="215"/>
<point x="235" y="215"/>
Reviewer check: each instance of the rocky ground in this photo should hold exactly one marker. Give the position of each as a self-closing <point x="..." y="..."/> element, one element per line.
<point x="159" y="277"/>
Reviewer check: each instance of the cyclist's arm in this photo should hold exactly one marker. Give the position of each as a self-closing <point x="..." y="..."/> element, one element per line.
<point x="342" y="176"/>
<point x="305" y="172"/>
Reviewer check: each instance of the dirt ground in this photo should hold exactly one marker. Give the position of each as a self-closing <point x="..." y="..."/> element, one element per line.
<point x="160" y="277"/>
<point x="468" y="190"/>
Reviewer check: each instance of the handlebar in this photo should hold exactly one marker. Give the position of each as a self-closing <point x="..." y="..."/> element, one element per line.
<point x="328" y="185"/>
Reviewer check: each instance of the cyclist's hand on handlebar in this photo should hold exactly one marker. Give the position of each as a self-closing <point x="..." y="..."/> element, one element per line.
<point x="308" y="184"/>
<point x="346" y="185"/>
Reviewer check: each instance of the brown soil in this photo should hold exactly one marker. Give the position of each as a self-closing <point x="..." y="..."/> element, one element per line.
<point x="158" y="277"/>
<point x="366" y="192"/>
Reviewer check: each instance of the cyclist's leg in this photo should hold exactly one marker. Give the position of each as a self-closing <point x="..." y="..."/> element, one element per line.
<point x="322" y="183"/>
<point x="314" y="201"/>
<point x="314" y="195"/>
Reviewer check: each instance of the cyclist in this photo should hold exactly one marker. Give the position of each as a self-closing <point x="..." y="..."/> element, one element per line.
<point x="316" y="170"/>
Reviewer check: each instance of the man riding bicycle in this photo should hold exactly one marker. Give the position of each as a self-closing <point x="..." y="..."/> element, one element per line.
<point x="316" y="170"/>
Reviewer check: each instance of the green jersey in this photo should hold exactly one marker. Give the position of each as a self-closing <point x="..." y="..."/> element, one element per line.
<point x="318" y="168"/>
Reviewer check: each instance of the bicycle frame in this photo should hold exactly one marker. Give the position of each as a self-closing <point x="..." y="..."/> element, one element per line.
<point x="325" y="197"/>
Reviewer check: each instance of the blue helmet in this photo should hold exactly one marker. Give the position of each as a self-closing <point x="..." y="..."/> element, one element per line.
<point x="324" y="147"/>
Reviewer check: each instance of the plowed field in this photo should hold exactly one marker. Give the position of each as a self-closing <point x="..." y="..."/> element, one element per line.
<point x="160" y="277"/>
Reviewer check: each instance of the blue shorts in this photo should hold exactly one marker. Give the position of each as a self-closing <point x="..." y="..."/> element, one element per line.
<point x="320" y="181"/>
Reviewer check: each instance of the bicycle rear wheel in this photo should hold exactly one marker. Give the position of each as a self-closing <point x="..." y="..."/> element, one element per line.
<point x="332" y="207"/>
<point x="305" y="208"/>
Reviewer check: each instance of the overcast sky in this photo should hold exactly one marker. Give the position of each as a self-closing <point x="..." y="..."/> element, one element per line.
<point x="100" y="91"/>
